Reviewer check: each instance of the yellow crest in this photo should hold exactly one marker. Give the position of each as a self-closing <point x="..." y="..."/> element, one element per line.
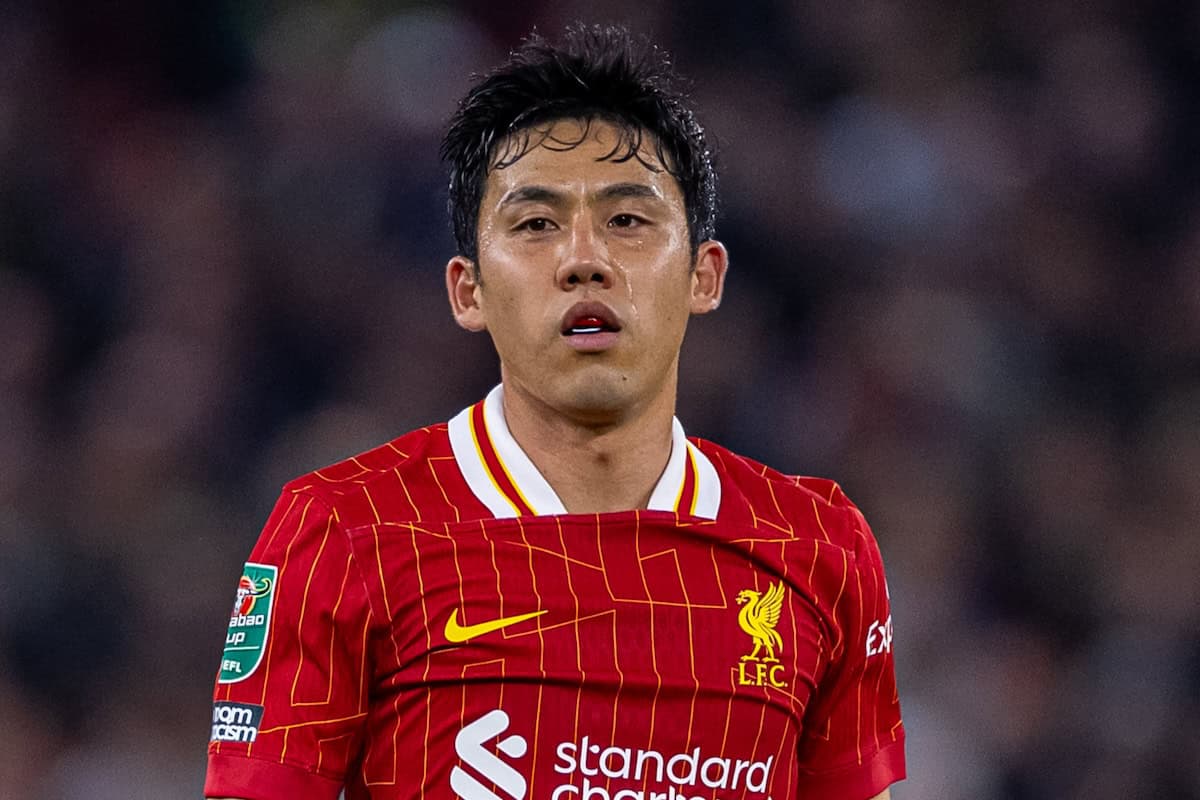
<point x="758" y="617"/>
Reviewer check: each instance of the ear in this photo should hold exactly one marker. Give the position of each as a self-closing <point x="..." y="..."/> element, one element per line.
<point x="708" y="276"/>
<point x="462" y="285"/>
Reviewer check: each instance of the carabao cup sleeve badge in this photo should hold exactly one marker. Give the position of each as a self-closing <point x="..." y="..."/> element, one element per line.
<point x="249" y="621"/>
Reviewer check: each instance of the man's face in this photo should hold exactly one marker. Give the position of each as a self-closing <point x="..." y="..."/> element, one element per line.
<point x="585" y="277"/>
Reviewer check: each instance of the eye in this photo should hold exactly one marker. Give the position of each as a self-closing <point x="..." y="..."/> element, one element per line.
<point x="536" y="225"/>
<point x="625" y="221"/>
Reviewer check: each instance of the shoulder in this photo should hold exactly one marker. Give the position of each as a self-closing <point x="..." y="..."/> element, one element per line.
<point x="381" y="482"/>
<point x="797" y="505"/>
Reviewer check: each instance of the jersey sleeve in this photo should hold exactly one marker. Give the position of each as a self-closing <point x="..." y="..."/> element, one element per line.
<point x="290" y="697"/>
<point x="853" y="742"/>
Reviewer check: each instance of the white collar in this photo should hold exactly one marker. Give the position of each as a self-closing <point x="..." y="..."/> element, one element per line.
<point x="501" y="475"/>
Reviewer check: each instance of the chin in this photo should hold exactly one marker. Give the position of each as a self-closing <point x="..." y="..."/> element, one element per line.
<point x="603" y="395"/>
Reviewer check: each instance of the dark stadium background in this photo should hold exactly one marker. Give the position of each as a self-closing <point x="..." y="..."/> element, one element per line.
<point x="965" y="283"/>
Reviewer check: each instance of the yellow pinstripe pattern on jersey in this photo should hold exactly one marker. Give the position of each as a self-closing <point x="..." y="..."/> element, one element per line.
<point x="407" y="496"/>
<point x="312" y="570"/>
<point x="793" y="701"/>
<point x="878" y="678"/>
<point x="859" y="684"/>
<point x="762" y="717"/>
<point x="820" y="524"/>
<point x="566" y="623"/>
<point x="442" y="489"/>
<point x="311" y="723"/>
<point x="537" y="595"/>
<point x="566" y="559"/>
<point x="789" y="741"/>
<point x="362" y="662"/>
<point x="733" y="685"/>
<point x="287" y="553"/>
<point x="332" y="639"/>
<point x="637" y="548"/>
<point x="428" y="701"/>
<point x="270" y="539"/>
<point x="760" y="521"/>
<point x="462" y="598"/>
<point x="691" y="639"/>
<point x="766" y="693"/>
<point x="574" y="598"/>
<point x="321" y="742"/>
<point x="428" y="634"/>
<point x="371" y="503"/>
<point x="840" y="644"/>
<point x="778" y="510"/>
<point x="615" y="643"/>
<point x="812" y="570"/>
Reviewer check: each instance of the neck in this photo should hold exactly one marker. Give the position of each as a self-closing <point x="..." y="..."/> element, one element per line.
<point x="594" y="464"/>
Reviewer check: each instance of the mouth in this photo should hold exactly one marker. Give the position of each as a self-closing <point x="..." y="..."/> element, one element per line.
<point x="589" y="319"/>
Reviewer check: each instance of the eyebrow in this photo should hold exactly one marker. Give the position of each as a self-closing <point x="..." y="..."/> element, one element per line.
<point x="544" y="194"/>
<point x="531" y="194"/>
<point x="633" y="190"/>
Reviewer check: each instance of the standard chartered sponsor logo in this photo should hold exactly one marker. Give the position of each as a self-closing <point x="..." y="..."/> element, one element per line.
<point x="669" y="777"/>
<point x="590" y="769"/>
<point x="469" y="744"/>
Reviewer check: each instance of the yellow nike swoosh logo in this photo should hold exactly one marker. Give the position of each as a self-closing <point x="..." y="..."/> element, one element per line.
<point x="460" y="633"/>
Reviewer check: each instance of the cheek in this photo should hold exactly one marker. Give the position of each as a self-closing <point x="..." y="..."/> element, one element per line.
<point x="673" y="290"/>
<point x="514" y="314"/>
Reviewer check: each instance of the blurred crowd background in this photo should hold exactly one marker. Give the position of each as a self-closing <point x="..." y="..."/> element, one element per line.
<point x="965" y="283"/>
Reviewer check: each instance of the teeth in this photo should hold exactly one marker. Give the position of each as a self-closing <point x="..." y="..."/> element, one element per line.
<point x="587" y="329"/>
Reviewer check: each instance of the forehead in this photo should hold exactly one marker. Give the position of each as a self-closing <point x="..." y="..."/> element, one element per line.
<point x="577" y="156"/>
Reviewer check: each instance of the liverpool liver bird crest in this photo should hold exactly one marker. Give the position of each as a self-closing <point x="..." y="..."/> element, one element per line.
<point x="758" y="617"/>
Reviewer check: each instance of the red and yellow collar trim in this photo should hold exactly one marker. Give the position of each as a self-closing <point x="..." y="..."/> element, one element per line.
<point x="501" y="475"/>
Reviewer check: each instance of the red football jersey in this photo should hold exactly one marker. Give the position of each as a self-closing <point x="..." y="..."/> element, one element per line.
<point x="426" y="621"/>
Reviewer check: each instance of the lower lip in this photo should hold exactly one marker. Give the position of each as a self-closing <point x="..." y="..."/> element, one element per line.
<point x="592" y="342"/>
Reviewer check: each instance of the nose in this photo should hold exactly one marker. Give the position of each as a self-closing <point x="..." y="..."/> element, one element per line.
<point x="585" y="260"/>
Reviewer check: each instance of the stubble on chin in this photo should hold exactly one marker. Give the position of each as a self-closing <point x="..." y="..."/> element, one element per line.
<point x="600" y="398"/>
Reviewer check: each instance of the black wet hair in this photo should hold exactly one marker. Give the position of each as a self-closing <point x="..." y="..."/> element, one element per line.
<point x="596" y="73"/>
